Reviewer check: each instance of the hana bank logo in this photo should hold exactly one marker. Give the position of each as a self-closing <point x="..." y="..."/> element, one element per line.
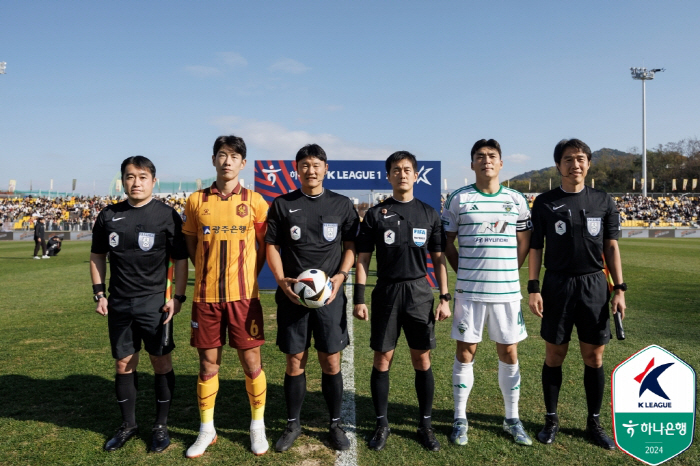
<point x="271" y="173"/>
<point x="649" y="381"/>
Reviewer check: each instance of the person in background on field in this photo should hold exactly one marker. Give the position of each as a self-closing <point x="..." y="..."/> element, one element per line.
<point x="39" y="241"/>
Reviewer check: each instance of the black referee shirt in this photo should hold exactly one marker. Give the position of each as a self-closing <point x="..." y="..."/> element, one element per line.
<point x="39" y="229"/>
<point x="310" y="230"/>
<point x="403" y="232"/>
<point x="575" y="225"/>
<point x="139" y="241"/>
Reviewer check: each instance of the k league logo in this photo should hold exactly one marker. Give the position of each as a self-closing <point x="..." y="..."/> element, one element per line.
<point x="653" y="403"/>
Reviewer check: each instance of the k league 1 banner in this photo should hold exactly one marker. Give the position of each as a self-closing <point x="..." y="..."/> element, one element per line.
<point x="276" y="177"/>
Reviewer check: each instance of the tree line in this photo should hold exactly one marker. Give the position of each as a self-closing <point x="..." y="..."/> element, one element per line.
<point x="614" y="170"/>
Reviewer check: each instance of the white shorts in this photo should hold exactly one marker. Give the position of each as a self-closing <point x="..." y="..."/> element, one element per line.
<point x="504" y="320"/>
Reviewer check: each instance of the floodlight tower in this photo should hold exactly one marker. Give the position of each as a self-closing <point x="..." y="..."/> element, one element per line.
<point x="644" y="75"/>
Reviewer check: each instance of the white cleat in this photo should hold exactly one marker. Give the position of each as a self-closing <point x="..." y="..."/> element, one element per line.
<point x="200" y="445"/>
<point x="37" y="257"/>
<point x="258" y="441"/>
<point x="45" y="257"/>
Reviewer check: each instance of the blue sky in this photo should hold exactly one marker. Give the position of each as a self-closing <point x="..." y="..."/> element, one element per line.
<point x="90" y="83"/>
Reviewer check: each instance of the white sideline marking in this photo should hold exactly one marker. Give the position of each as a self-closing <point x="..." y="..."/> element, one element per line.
<point x="347" y="366"/>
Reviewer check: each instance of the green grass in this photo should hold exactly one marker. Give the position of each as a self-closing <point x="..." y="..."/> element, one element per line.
<point x="56" y="376"/>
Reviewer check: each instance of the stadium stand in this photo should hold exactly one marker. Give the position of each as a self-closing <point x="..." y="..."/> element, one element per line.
<point x="79" y="213"/>
<point x="63" y="213"/>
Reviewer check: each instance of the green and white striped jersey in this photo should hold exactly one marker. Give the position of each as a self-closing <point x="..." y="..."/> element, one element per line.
<point x="486" y="226"/>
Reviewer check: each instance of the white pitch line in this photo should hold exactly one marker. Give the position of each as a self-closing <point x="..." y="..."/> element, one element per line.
<point x="349" y="456"/>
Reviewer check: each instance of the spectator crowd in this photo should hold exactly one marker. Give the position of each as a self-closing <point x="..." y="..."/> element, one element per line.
<point x="79" y="213"/>
<point x="63" y="213"/>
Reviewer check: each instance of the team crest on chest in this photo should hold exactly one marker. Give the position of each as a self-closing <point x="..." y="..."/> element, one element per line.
<point x="146" y="240"/>
<point x="389" y="236"/>
<point x="295" y="232"/>
<point x="242" y="210"/>
<point x="114" y="239"/>
<point x="593" y="225"/>
<point x="508" y="206"/>
<point x="560" y="227"/>
<point x="419" y="236"/>
<point x="330" y="231"/>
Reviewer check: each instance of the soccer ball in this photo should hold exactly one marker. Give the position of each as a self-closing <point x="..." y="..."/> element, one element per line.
<point x="314" y="288"/>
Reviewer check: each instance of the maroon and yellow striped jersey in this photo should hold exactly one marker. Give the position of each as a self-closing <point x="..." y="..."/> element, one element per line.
<point x="225" y="264"/>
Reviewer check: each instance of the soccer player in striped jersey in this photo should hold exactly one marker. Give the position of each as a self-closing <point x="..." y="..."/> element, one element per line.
<point x="492" y="225"/>
<point x="223" y="225"/>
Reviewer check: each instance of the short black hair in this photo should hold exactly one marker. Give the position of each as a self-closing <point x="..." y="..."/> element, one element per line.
<point x="486" y="143"/>
<point x="311" y="150"/>
<point x="139" y="161"/>
<point x="574" y="143"/>
<point x="399" y="156"/>
<point x="234" y="142"/>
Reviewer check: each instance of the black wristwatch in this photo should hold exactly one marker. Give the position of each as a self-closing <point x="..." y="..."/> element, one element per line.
<point x="446" y="296"/>
<point x="180" y="297"/>
<point x="99" y="296"/>
<point x="622" y="286"/>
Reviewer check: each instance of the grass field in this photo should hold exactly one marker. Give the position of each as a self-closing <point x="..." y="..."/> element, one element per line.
<point x="57" y="401"/>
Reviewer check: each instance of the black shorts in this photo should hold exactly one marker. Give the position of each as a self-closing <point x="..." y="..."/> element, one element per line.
<point x="404" y="304"/>
<point x="575" y="300"/>
<point x="296" y="324"/>
<point x="132" y="320"/>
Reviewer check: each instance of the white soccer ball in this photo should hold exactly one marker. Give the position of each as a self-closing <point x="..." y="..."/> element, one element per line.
<point x="314" y="288"/>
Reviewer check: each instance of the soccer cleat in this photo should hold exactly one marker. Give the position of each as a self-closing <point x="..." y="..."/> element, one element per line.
<point x="290" y="434"/>
<point x="200" y="445"/>
<point x="258" y="441"/>
<point x="550" y="429"/>
<point x="37" y="257"/>
<point x="518" y="432"/>
<point x="339" y="440"/>
<point x="379" y="438"/>
<point x="459" y="432"/>
<point x="45" y="257"/>
<point x="597" y="434"/>
<point x="123" y="434"/>
<point x="161" y="439"/>
<point x="426" y="435"/>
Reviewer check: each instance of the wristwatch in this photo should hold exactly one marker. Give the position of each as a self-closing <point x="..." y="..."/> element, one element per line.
<point x="446" y="296"/>
<point x="180" y="297"/>
<point x="99" y="296"/>
<point x="622" y="286"/>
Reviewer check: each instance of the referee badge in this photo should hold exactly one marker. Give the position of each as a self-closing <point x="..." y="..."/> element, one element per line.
<point x="295" y="231"/>
<point x="146" y="240"/>
<point x="114" y="239"/>
<point x="593" y="225"/>
<point x="330" y="231"/>
<point x="389" y="237"/>
<point x="560" y="227"/>
<point x="419" y="236"/>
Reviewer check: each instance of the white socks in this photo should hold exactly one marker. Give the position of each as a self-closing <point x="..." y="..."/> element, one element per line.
<point x="509" y="381"/>
<point x="257" y="424"/>
<point x="462" y="382"/>
<point x="206" y="426"/>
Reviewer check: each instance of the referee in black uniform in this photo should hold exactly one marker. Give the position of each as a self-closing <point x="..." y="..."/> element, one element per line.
<point x="311" y="228"/>
<point x="403" y="229"/>
<point x="581" y="225"/>
<point x="139" y="234"/>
